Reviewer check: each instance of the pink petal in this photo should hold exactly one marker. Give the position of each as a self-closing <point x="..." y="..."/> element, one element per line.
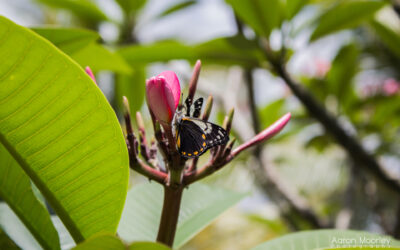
<point x="173" y="82"/>
<point x="160" y="99"/>
<point x="265" y="134"/>
<point x="90" y="73"/>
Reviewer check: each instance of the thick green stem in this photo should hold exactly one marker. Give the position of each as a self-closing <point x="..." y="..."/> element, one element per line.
<point x="170" y="214"/>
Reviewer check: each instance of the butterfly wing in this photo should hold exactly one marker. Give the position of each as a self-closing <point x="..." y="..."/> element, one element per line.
<point x="195" y="136"/>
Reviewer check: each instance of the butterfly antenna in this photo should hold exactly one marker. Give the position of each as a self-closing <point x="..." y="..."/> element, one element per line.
<point x="180" y="106"/>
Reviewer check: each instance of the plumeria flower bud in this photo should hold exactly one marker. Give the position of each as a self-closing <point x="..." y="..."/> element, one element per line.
<point x="90" y="73"/>
<point x="163" y="93"/>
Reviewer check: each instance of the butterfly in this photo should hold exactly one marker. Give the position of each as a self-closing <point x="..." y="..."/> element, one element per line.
<point x="195" y="136"/>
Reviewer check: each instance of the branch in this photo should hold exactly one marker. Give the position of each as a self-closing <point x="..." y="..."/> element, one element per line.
<point x="149" y="172"/>
<point x="331" y="125"/>
<point x="266" y="174"/>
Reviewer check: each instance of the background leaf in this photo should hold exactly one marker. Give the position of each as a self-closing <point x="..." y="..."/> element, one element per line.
<point x="272" y="112"/>
<point x="101" y="242"/>
<point x="388" y="36"/>
<point x="68" y="40"/>
<point x="343" y="70"/>
<point x="318" y="239"/>
<point x="227" y="50"/>
<point x="131" y="5"/>
<point x="160" y="51"/>
<point x="84" y="9"/>
<point x="73" y="149"/>
<point x="201" y="204"/>
<point x="347" y="14"/>
<point x="111" y="242"/>
<point x="133" y="87"/>
<point x="260" y="15"/>
<point x="15" y="189"/>
<point x="294" y="6"/>
<point x="99" y="57"/>
<point x="6" y="242"/>
<point x="147" y="246"/>
<point x="15" y="229"/>
<point x="177" y="7"/>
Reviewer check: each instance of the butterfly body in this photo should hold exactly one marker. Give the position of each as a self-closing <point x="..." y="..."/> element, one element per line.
<point x="195" y="136"/>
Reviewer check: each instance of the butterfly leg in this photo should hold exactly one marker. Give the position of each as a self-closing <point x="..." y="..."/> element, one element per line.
<point x="197" y="107"/>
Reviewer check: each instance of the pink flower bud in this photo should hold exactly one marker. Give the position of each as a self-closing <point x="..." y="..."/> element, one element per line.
<point x="264" y="135"/>
<point x="163" y="93"/>
<point x="90" y="73"/>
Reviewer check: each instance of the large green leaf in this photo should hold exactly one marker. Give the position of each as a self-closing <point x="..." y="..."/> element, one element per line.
<point x="320" y="239"/>
<point x="227" y="50"/>
<point x="347" y="14"/>
<point x="99" y="57"/>
<point x="61" y="130"/>
<point x="201" y="204"/>
<point x="15" y="189"/>
<point x="261" y="15"/>
<point x="68" y="40"/>
<point x="388" y="36"/>
<point x="110" y="242"/>
<point x="84" y="9"/>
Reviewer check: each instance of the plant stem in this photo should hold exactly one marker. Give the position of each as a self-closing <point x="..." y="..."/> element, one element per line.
<point x="170" y="214"/>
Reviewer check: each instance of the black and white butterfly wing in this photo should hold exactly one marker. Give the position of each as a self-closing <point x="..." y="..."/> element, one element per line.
<point x="195" y="136"/>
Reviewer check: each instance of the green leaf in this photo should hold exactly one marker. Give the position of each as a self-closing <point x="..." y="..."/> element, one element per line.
<point x="15" y="189"/>
<point x="84" y="9"/>
<point x="201" y="204"/>
<point x="100" y="58"/>
<point x="261" y="15"/>
<point x="147" y="246"/>
<point x="111" y="242"/>
<point x="227" y="50"/>
<point x="388" y="36"/>
<point x="345" y="15"/>
<point x="343" y="70"/>
<point x="103" y="242"/>
<point x="319" y="142"/>
<point x="133" y="87"/>
<point x="6" y="242"/>
<point x="272" y="112"/>
<point x="68" y="40"/>
<point x="178" y="7"/>
<point x="294" y="6"/>
<point x="61" y="130"/>
<point x="230" y="50"/>
<point x="131" y="5"/>
<point x="80" y="45"/>
<point x="364" y="248"/>
<point x="320" y="239"/>
<point x="157" y="52"/>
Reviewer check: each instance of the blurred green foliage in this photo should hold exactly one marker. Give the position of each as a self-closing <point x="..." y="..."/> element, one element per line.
<point x="357" y="101"/>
